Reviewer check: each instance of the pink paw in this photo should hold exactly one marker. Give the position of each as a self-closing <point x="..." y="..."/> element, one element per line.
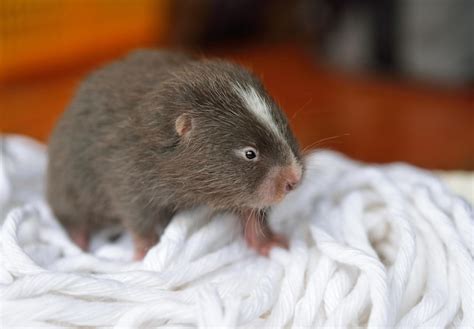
<point x="259" y="236"/>
<point x="80" y="236"/>
<point x="263" y="247"/>
<point x="142" y="245"/>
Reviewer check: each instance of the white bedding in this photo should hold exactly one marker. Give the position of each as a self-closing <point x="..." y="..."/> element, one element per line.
<point x="369" y="246"/>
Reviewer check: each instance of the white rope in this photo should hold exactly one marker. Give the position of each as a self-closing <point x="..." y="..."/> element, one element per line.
<point x="370" y="246"/>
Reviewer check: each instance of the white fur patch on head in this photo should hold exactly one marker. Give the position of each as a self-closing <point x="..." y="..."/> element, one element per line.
<point x="259" y="107"/>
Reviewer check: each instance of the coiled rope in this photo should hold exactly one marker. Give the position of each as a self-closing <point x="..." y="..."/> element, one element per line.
<point x="371" y="246"/>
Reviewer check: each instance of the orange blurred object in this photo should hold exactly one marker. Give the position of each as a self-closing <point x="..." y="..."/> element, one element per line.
<point x="51" y="35"/>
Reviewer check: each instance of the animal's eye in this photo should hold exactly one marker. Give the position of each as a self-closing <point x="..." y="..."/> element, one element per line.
<point x="249" y="153"/>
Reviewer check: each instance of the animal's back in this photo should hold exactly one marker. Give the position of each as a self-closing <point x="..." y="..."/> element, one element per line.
<point x="90" y="129"/>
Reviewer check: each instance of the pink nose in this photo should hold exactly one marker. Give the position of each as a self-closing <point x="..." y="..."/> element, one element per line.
<point x="290" y="186"/>
<point x="292" y="178"/>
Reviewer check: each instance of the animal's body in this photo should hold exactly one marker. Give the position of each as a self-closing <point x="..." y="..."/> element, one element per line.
<point x="157" y="132"/>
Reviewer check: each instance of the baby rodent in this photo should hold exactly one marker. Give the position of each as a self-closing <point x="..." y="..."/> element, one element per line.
<point x="157" y="132"/>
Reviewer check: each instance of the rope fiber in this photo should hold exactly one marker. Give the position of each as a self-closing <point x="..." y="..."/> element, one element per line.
<point x="370" y="246"/>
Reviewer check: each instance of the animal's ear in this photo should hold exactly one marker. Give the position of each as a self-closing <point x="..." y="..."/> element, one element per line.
<point x="183" y="125"/>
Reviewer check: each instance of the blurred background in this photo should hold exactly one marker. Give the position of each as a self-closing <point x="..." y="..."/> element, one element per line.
<point x="380" y="80"/>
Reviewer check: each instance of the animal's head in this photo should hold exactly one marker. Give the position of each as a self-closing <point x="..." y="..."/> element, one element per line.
<point x="231" y="145"/>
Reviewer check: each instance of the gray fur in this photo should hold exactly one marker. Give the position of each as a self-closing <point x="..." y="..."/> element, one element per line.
<point x="115" y="154"/>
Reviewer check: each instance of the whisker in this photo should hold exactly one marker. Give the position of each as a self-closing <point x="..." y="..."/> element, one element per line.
<point x="300" y="109"/>
<point x="261" y="218"/>
<point x="246" y="224"/>
<point x="257" y="223"/>
<point x="319" y="142"/>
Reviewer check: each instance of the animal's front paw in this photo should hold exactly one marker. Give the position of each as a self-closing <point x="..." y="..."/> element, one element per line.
<point x="142" y="244"/>
<point x="259" y="236"/>
<point x="263" y="246"/>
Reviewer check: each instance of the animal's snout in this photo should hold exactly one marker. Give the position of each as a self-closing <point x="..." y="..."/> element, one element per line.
<point x="278" y="183"/>
<point x="290" y="186"/>
<point x="291" y="176"/>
